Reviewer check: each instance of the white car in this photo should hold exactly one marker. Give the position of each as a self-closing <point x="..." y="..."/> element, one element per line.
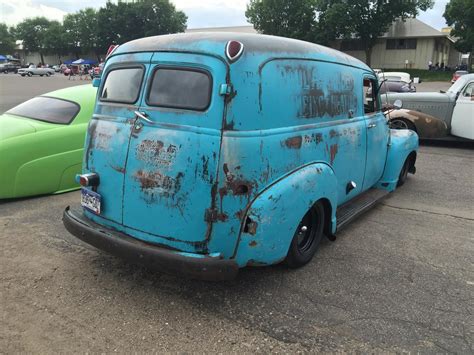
<point x="395" y="76"/>
<point x="455" y="107"/>
<point x="33" y="70"/>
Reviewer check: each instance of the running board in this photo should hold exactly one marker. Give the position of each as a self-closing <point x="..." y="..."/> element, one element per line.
<point x="358" y="205"/>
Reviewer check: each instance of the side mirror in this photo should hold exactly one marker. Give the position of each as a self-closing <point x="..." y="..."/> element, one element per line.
<point x="397" y="104"/>
<point x="96" y="82"/>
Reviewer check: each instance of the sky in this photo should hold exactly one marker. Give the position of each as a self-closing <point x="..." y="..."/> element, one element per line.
<point x="202" y="13"/>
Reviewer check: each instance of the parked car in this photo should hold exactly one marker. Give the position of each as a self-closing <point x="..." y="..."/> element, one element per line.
<point x="41" y="142"/>
<point x="426" y="126"/>
<point x="395" y="76"/>
<point x="33" y="70"/>
<point x="455" y="107"/>
<point x="386" y="86"/>
<point x="225" y="151"/>
<point x="9" y="67"/>
<point x="457" y="74"/>
<point x="56" y="68"/>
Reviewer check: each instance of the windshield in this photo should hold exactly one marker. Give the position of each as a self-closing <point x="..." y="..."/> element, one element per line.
<point x="459" y="84"/>
<point x="47" y="109"/>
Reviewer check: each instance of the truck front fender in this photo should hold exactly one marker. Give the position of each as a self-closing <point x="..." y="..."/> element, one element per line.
<point x="403" y="142"/>
<point x="271" y="219"/>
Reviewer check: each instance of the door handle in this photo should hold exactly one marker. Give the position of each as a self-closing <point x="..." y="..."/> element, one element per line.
<point x="143" y="116"/>
<point x="372" y="125"/>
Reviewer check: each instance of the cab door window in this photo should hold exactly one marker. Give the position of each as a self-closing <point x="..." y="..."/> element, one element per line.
<point x="371" y="103"/>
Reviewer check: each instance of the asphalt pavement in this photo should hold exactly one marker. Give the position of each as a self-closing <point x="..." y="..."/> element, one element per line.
<point x="15" y="89"/>
<point x="398" y="279"/>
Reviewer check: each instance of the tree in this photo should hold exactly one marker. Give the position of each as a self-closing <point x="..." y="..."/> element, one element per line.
<point x="123" y="22"/>
<point x="460" y="15"/>
<point x="81" y="31"/>
<point x="368" y="20"/>
<point x="7" y="40"/>
<point x="324" y="20"/>
<point x="33" y="34"/>
<point x="54" y="39"/>
<point x="287" y="18"/>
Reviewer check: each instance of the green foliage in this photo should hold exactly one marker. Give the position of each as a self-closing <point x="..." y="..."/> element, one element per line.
<point x="287" y="18"/>
<point x="123" y="22"/>
<point x="91" y="30"/>
<point x="324" y="20"/>
<point x="460" y="15"/>
<point x="80" y="31"/>
<point x="32" y="32"/>
<point x="7" y="39"/>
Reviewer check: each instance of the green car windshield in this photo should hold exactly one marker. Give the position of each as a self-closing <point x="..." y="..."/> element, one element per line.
<point x="47" y="109"/>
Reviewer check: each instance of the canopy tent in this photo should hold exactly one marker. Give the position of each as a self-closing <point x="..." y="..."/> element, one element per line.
<point x="80" y="61"/>
<point x="84" y="61"/>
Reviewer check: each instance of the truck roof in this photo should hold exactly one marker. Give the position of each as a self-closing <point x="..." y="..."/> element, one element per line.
<point x="264" y="46"/>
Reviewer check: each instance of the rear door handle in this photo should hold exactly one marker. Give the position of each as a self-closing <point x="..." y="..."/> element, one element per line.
<point x="143" y="116"/>
<point x="372" y="125"/>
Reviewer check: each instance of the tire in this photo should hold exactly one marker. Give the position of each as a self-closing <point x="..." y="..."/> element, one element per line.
<point x="402" y="177"/>
<point x="305" y="243"/>
<point x="48" y="74"/>
<point x="401" y="123"/>
<point x="41" y="74"/>
<point x="22" y="74"/>
<point x="30" y="74"/>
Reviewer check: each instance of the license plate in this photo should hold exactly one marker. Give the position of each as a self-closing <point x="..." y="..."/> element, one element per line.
<point x="90" y="200"/>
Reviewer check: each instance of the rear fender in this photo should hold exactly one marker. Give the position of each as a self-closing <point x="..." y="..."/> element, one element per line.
<point x="272" y="217"/>
<point x="403" y="142"/>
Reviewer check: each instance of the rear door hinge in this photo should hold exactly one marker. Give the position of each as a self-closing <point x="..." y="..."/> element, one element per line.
<point x="226" y="90"/>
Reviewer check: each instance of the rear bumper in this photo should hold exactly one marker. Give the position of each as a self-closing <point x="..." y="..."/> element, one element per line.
<point x="195" y="266"/>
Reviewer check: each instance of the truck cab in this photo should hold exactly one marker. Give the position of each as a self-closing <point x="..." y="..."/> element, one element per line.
<point x="208" y="152"/>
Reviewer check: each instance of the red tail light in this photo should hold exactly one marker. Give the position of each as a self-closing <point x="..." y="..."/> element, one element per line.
<point x="233" y="50"/>
<point x="91" y="179"/>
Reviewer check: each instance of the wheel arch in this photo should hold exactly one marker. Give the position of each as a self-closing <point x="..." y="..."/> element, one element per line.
<point x="271" y="218"/>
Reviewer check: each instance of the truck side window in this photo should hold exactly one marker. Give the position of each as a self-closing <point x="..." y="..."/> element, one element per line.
<point x="370" y="97"/>
<point x="122" y="85"/>
<point x="180" y="88"/>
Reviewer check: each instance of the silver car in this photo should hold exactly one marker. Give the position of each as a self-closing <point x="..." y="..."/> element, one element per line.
<point x="455" y="106"/>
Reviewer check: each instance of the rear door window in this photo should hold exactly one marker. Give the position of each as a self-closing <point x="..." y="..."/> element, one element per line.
<point x="47" y="109"/>
<point x="122" y="85"/>
<point x="188" y="89"/>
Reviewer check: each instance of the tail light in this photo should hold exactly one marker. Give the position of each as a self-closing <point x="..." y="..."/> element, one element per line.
<point x="233" y="50"/>
<point x="91" y="179"/>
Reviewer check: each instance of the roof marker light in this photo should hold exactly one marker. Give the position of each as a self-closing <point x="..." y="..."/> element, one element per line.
<point x="233" y="50"/>
<point x="111" y="49"/>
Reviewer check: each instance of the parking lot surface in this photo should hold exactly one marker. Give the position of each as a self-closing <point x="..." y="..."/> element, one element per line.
<point x="400" y="278"/>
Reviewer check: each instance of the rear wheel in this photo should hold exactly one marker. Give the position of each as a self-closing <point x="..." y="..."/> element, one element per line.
<point x="307" y="237"/>
<point x="400" y="123"/>
<point x="48" y="74"/>
<point x="22" y="74"/>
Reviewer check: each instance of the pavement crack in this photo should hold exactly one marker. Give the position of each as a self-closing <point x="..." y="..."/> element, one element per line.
<point x="429" y="212"/>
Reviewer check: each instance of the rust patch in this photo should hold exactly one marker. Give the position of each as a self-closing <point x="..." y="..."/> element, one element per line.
<point x="229" y="126"/>
<point x="155" y="153"/>
<point x="313" y="138"/>
<point x="119" y="169"/>
<point x="294" y="142"/>
<point x="253" y="244"/>
<point x="166" y="186"/>
<point x="333" y="152"/>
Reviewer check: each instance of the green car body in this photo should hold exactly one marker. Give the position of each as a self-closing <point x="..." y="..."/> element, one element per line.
<point x="39" y="157"/>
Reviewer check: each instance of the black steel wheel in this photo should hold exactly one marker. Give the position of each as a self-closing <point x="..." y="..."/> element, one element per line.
<point x="307" y="237"/>
<point x="404" y="172"/>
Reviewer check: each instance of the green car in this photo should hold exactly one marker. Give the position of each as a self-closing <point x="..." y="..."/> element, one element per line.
<point x="42" y="140"/>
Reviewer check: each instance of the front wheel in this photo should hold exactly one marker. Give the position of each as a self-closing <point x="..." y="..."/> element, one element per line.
<point x="30" y="74"/>
<point x="307" y="237"/>
<point x="400" y="123"/>
<point x="404" y="172"/>
<point x="22" y="74"/>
